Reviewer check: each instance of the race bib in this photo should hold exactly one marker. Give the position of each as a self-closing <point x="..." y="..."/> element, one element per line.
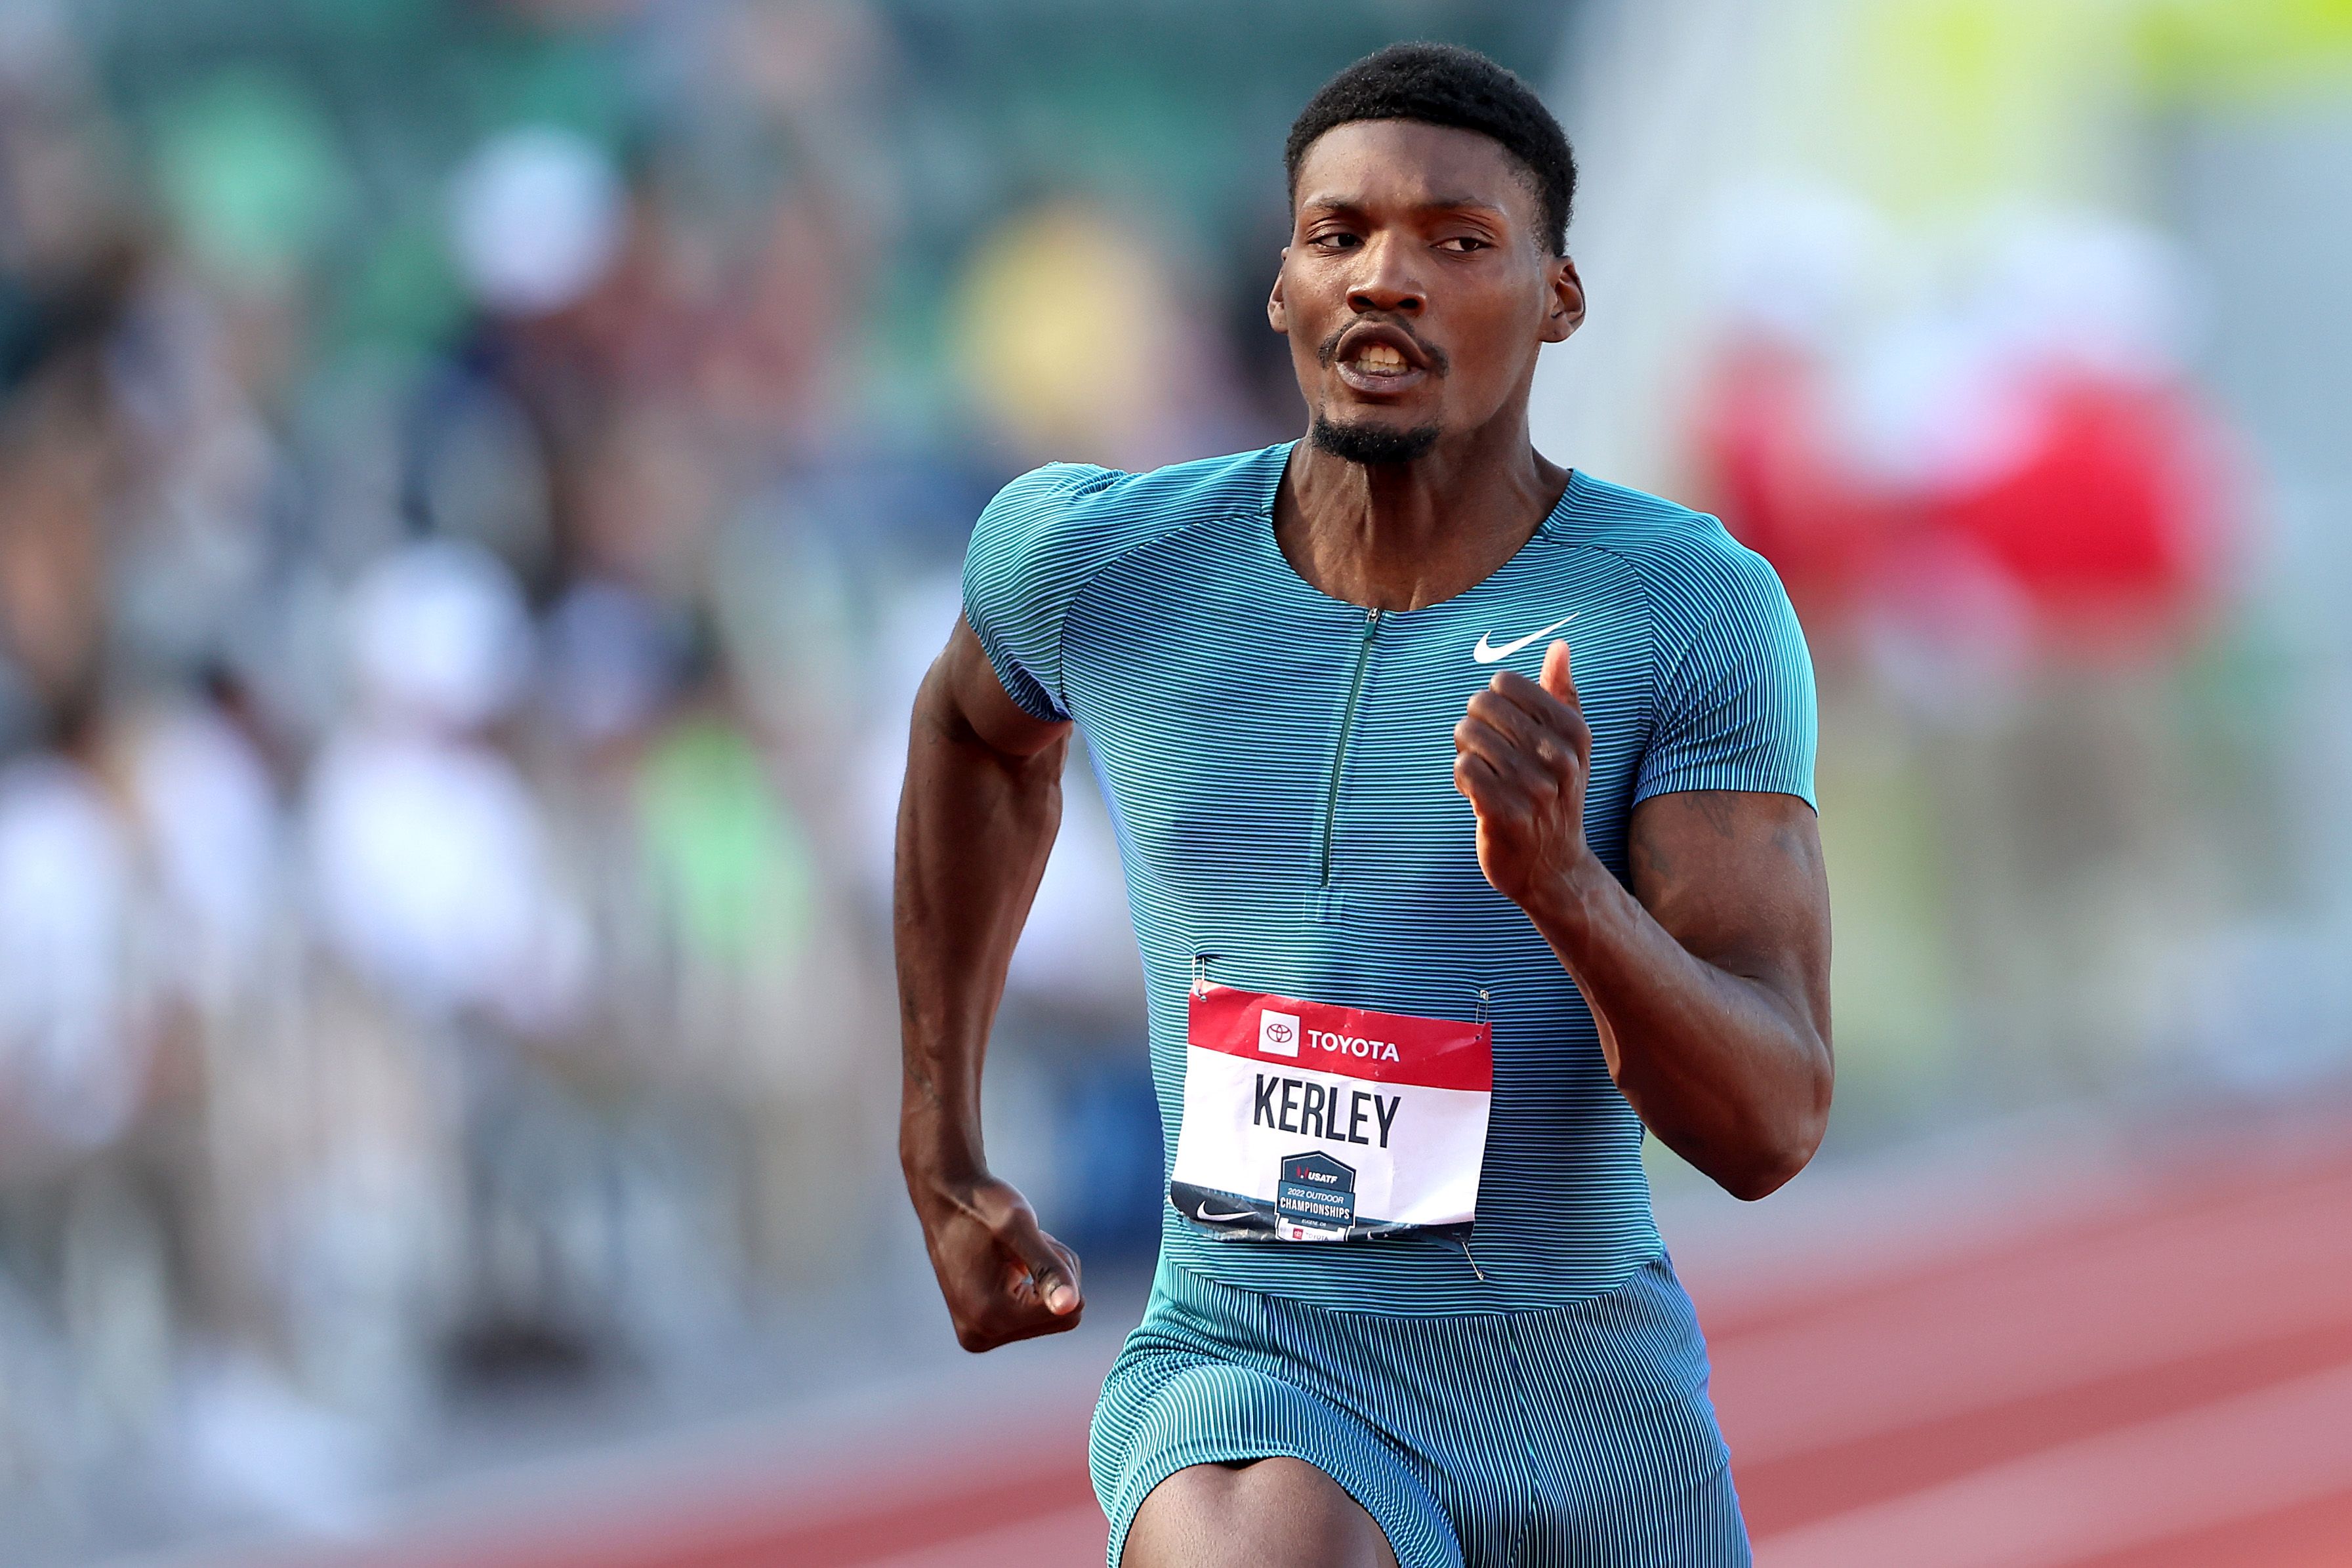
<point x="1310" y="1122"/>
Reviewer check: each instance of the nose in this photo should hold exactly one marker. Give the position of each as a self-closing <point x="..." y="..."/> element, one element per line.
<point x="1385" y="280"/>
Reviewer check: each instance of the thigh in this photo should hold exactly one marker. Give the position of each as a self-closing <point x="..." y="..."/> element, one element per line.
<point x="1201" y="1391"/>
<point x="1262" y="1514"/>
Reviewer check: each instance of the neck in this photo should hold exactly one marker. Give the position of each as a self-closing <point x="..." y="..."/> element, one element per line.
<point x="1397" y="536"/>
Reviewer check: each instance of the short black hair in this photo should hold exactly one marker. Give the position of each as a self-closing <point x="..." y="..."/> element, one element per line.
<point x="1441" y="84"/>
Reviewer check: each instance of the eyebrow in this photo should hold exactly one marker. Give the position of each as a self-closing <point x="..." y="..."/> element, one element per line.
<point x="1441" y="204"/>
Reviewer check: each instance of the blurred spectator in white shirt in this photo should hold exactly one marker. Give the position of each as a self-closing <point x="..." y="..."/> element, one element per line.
<point x="427" y="854"/>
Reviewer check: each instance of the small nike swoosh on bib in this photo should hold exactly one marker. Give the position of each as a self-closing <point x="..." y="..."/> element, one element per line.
<point x="1202" y="1212"/>
<point x="1487" y="653"/>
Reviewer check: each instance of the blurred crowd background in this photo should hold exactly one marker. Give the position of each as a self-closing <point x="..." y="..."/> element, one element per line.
<point x="480" y="482"/>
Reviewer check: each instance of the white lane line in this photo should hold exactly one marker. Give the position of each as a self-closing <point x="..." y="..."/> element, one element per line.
<point x="2117" y="1305"/>
<point x="1938" y="1207"/>
<point x="2251" y="1455"/>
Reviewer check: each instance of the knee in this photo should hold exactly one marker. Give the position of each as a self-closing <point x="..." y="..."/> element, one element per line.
<point x="1269" y="1513"/>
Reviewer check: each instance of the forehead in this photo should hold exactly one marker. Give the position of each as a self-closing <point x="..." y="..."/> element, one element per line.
<point x="1405" y="162"/>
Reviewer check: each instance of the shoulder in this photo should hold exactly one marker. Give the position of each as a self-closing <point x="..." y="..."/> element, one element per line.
<point x="1079" y="517"/>
<point x="1690" y="567"/>
<point x="1663" y="540"/>
<point x="1055" y="532"/>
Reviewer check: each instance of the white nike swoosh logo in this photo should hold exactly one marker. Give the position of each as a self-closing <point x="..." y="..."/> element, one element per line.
<point x="1487" y="653"/>
<point x="1202" y="1212"/>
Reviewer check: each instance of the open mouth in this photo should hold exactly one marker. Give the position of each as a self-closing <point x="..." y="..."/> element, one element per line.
<point x="1378" y="359"/>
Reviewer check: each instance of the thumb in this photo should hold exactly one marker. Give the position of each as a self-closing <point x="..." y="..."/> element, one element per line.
<point x="1555" y="678"/>
<point x="1052" y="1266"/>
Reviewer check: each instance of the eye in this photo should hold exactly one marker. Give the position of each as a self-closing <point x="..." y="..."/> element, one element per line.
<point x="1463" y="243"/>
<point x="1336" y="239"/>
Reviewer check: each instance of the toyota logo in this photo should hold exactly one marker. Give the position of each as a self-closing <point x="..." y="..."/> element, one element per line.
<point x="1278" y="1032"/>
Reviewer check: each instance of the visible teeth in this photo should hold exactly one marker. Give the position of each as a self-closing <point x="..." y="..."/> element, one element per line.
<point x="1381" y="357"/>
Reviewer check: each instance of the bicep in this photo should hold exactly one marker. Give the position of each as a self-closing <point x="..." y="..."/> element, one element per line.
<point x="1737" y="878"/>
<point x="965" y="691"/>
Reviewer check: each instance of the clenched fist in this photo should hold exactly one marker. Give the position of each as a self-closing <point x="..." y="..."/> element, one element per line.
<point x="1522" y="754"/>
<point x="1003" y="1277"/>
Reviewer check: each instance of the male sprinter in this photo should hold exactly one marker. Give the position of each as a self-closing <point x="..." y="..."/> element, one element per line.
<point x="1432" y="930"/>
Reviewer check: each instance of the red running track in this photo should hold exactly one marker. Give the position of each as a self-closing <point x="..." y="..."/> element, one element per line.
<point x="2090" y="1359"/>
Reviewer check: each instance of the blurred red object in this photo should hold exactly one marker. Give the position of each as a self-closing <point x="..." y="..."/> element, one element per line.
<point x="1780" y="483"/>
<point x="2111" y="520"/>
<point x="2108" y="515"/>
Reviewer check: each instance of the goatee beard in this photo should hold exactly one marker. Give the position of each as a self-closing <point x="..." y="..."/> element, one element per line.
<point x="1372" y="444"/>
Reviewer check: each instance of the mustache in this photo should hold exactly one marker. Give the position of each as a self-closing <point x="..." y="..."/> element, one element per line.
<point x="1330" y="351"/>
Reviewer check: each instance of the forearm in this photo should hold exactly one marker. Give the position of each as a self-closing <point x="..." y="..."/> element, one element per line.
<point x="1724" y="1067"/>
<point x="975" y="825"/>
<point x="976" y="820"/>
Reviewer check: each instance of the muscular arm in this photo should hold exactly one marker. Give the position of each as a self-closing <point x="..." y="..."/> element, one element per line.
<point x="1709" y="981"/>
<point x="976" y="820"/>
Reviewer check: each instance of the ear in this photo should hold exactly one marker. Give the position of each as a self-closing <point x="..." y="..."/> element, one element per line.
<point x="1567" y="312"/>
<point x="1277" y="315"/>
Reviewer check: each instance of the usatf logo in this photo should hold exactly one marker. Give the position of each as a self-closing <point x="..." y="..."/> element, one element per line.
<point x="1278" y="1033"/>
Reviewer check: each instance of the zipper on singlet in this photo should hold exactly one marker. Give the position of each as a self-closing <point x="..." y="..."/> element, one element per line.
<point x="1347" y="727"/>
